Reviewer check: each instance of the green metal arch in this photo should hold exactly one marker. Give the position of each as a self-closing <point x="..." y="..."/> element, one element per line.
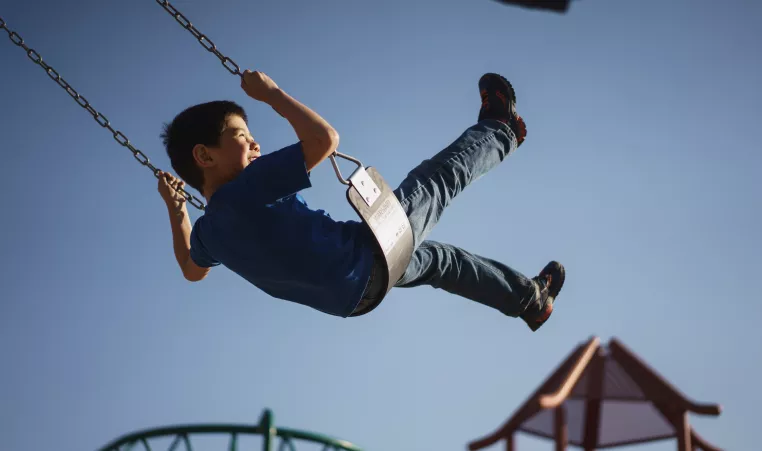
<point x="183" y="433"/>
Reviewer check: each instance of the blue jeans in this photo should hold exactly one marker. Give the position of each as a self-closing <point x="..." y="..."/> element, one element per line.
<point x="428" y="190"/>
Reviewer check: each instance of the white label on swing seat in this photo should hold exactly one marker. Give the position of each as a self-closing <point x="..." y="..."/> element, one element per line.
<point x="389" y="223"/>
<point x="365" y="186"/>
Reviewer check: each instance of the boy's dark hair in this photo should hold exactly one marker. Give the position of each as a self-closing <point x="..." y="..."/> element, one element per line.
<point x="199" y="124"/>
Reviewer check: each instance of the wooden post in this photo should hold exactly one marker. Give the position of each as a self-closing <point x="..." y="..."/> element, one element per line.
<point x="561" y="433"/>
<point x="510" y="444"/>
<point x="683" y="432"/>
<point x="594" y="401"/>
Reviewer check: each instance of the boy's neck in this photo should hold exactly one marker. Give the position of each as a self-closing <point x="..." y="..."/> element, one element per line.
<point x="212" y="182"/>
<point x="210" y="187"/>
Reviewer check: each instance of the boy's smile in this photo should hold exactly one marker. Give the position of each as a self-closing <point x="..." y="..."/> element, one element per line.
<point x="237" y="148"/>
<point x="237" y="144"/>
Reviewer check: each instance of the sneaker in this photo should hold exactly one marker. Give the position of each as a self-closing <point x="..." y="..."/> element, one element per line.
<point x="499" y="103"/>
<point x="549" y="283"/>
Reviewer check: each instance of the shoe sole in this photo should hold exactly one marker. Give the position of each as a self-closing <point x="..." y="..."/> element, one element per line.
<point x="518" y="125"/>
<point x="556" y="285"/>
<point x="508" y="85"/>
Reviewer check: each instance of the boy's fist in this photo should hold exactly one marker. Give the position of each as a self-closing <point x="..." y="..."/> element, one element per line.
<point x="258" y="85"/>
<point x="168" y="186"/>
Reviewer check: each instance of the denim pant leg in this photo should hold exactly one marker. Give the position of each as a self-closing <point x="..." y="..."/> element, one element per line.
<point x="468" y="275"/>
<point x="425" y="194"/>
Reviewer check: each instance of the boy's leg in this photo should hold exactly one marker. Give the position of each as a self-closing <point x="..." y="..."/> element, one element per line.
<point x="431" y="186"/>
<point x="471" y="276"/>
<point x="485" y="281"/>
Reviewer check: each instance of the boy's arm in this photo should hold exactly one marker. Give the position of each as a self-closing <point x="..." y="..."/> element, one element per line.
<point x="319" y="140"/>
<point x="181" y="227"/>
<point x="181" y="230"/>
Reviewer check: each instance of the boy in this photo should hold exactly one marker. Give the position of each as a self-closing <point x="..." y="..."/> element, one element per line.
<point x="257" y="224"/>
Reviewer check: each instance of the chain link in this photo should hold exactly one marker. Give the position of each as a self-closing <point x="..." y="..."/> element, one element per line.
<point x="205" y="42"/>
<point x="99" y="118"/>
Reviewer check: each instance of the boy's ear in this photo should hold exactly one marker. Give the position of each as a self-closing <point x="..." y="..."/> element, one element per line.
<point x="203" y="156"/>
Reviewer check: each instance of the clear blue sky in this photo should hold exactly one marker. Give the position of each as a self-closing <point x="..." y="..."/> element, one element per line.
<point x="640" y="174"/>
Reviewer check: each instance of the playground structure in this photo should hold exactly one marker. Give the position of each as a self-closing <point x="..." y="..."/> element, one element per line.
<point x="186" y="434"/>
<point x="604" y="398"/>
<point x="597" y="398"/>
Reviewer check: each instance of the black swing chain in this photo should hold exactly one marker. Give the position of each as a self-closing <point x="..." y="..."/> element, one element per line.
<point x="99" y="117"/>
<point x="205" y="42"/>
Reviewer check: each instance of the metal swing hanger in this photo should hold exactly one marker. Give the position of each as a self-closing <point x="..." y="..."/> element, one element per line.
<point x="119" y="137"/>
<point x="368" y="193"/>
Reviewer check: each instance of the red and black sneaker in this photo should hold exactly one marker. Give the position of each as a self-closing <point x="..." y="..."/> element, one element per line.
<point x="549" y="283"/>
<point x="499" y="102"/>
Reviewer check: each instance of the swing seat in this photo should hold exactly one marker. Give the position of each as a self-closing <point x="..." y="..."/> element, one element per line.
<point x="374" y="201"/>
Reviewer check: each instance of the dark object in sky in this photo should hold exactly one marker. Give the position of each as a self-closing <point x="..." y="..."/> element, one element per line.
<point x="560" y="6"/>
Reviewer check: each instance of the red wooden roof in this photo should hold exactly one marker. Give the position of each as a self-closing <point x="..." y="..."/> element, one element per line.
<point x="609" y="398"/>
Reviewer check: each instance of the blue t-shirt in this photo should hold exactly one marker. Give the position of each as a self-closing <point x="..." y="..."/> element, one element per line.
<point x="259" y="227"/>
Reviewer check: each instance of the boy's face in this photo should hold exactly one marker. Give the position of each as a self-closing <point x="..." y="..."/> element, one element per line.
<point x="236" y="150"/>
